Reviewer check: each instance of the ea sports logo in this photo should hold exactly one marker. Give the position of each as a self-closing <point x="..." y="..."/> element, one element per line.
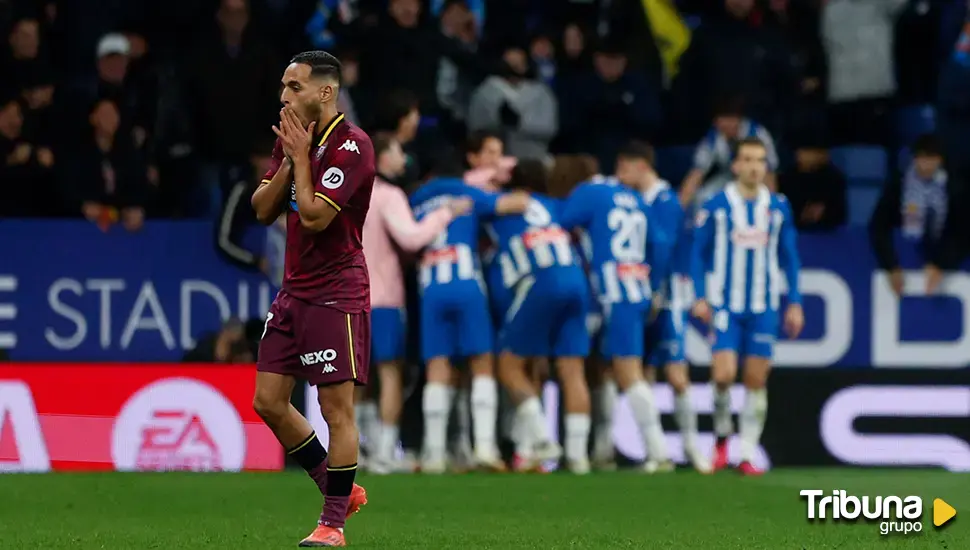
<point x="178" y="424"/>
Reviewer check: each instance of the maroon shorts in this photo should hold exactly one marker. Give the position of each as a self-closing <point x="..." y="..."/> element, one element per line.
<point x="319" y="344"/>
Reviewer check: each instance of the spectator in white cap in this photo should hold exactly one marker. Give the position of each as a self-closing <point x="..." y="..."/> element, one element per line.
<point x="113" y="51"/>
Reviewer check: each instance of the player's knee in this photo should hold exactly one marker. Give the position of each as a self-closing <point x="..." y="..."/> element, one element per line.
<point x="755" y="380"/>
<point x="650" y="374"/>
<point x="678" y="379"/>
<point x="271" y="409"/>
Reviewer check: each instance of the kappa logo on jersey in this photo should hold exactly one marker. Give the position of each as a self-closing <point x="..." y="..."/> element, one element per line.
<point x="332" y="178"/>
<point x="317" y="357"/>
<point x="349" y="145"/>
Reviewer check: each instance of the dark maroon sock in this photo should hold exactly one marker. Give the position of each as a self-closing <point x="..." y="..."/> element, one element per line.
<point x="311" y="455"/>
<point x="337" y="498"/>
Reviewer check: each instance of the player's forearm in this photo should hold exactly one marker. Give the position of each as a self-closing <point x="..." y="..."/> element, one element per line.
<point x="689" y="187"/>
<point x="315" y="214"/>
<point x="413" y="235"/>
<point x="270" y="196"/>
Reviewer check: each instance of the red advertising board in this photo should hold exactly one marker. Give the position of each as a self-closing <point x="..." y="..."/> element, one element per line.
<point x="70" y="417"/>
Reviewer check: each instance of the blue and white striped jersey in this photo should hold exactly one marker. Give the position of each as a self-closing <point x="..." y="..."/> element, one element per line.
<point x="746" y="245"/>
<point x="628" y="251"/>
<point x="715" y="153"/>
<point x="453" y="255"/>
<point x="532" y="241"/>
<point x="675" y="290"/>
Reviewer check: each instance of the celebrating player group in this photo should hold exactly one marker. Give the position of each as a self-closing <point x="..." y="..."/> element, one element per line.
<point x="611" y="271"/>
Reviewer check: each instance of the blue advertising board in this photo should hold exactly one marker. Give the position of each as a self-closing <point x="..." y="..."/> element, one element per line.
<point x="69" y="292"/>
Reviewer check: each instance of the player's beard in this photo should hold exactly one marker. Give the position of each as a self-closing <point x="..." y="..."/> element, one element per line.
<point x="312" y="112"/>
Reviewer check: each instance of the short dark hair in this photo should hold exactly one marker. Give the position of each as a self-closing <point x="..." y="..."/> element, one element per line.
<point x="530" y="175"/>
<point x="927" y="145"/>
<point x="382" y="142"/>
<point x="638" y="150"/>
<point x="729" y="106"/>
<point x="752" y="141"/>
<point x="476" y="140"/>
<point x="322" y="64"/>
<point x="447" y="164"/>
<point x="392" y="108"/>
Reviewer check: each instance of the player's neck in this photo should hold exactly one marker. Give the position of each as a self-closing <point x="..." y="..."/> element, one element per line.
<point x="327" y="113"/>
<point x="748" y="191"/>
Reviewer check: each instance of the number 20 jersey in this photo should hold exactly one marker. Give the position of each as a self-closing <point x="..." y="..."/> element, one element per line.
<point x="628" y="254"/>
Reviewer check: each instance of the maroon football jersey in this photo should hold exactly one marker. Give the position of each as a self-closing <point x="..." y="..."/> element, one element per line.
<point x="328" y="268"/>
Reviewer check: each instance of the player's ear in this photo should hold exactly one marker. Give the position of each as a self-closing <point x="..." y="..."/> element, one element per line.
<point x="328" y="92"/>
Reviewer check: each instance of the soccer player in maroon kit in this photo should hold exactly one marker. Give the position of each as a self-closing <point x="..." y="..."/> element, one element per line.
<point x="318" y="328"/>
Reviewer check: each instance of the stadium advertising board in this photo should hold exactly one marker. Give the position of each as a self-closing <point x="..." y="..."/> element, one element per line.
<point x="891" y="418"/>
<point x="826" y="417"/>
<point x="69" y="292"/>
<point x="128" y="417"/>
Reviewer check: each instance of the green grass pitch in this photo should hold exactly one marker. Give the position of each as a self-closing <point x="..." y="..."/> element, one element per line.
<point x="621" y="510"/>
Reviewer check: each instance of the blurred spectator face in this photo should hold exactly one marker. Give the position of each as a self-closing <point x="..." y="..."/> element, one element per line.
<point x="350" y="71"/>
<point x="810" y="159"/>
<point x="113" y="68"/>
<point x="113" y="52"/>
<point x="516" y="61"/>
<point x="490" y="155"/>
<point x="393" y="160"/>
<point x="300" y="93"/>
<point x="25" y="39"/>
<point x="408" y="126"/>
<point x="751" y="164"/>
<point x="105" y="118"/>
<point x="728" y="125"/>
<point x="458" y="21"/>
<point x="573" y="41"/>
<point x="927" y="165"/>
<point x="233" y="17"/>
<point x="739" y="8"/>
<point x="405" y="12"/>
<point x="39" y="97"/>
<point x="610" y="66"/>
<point x="542" y="48"/>
<point x="631" y="171"/>
<point x="11" y="120"/>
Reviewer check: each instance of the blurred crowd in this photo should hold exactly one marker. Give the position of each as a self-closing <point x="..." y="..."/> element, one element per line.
<point x="125" y="109"/>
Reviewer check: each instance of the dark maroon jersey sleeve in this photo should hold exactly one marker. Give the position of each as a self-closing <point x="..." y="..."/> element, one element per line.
<point x="348" y="168"/>
<point x="276" y="160"/>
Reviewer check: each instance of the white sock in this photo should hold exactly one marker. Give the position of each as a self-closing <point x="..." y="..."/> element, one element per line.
<point x="752" y="421"/>
<point x="435" y="403"/>
<point x="484" y="413"/>
<point x="387" y="443"/>
<point x="366" y="415"/>
<point x="723" y="426"/>
<point x="520" y="436"/>
<point x="577" y="436"/>
<point x="645" y="413"/>
<point x="530" y="414"/>
<point x="686" y="419"/>
<point x="606" y="403"/>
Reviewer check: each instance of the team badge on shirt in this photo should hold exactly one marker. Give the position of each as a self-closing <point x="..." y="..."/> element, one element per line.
<point x="320" y="151"/>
